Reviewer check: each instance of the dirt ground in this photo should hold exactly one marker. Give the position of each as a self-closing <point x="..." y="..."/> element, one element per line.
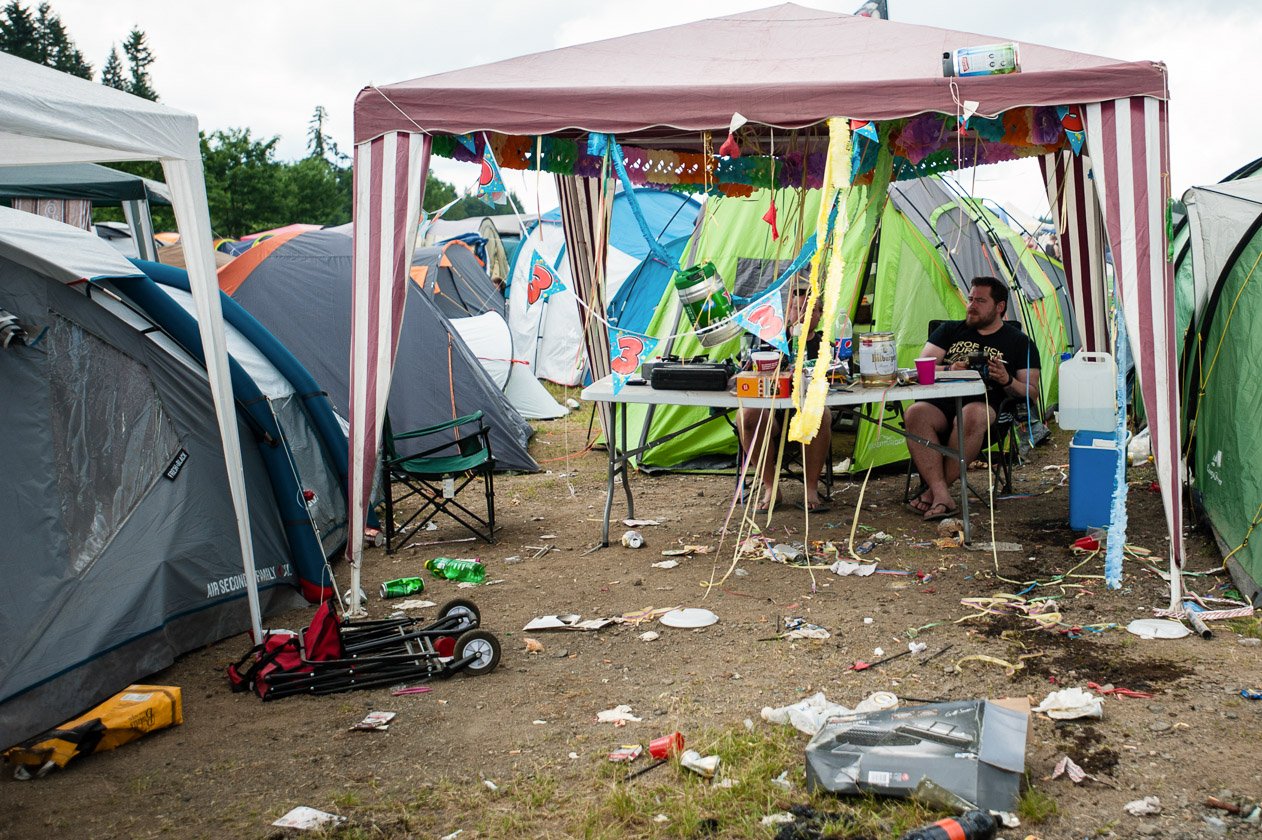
<point x="237" y="763"/>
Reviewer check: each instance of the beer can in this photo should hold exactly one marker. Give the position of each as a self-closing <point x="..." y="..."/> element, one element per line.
<point x="878" y="358"/>
<point x="400" y="587"/>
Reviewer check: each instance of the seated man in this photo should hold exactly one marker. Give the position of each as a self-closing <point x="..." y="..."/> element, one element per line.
<point x="1011" y="369"/>
<point x="756" y="424"/>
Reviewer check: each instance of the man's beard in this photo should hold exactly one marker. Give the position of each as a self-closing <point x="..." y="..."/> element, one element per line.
<point x="976" y="322"/>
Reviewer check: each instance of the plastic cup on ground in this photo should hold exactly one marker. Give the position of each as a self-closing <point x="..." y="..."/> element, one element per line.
<point x="667" y="745"/>
<point x="766" y="361"/>
<point x="926" y="371"/>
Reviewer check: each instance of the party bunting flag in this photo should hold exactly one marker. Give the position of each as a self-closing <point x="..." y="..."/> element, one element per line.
<point x="427" y="220"/>
<point x="865" y="128"/>
<point x="544" y="282"/>
<point x="491" y="187"/>
<point x="627" y="351"/>
<point x="764" y="318"/>
<point x="1071" y="121"/>
<point x="467" y="141"/>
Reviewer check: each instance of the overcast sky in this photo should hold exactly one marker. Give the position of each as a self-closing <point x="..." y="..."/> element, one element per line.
<point x="266" y="65"/>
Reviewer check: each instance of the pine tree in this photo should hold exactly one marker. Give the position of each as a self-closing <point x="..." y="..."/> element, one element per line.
<point x="19" y="34"/>
<point x="56" y="48"/>
<point x="139" y="57"/>
<point x="112" y="72"/>
<point x="317" y="142"/>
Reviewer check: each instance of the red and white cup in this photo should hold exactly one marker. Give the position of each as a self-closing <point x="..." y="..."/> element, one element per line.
<point x="667" y="745"/>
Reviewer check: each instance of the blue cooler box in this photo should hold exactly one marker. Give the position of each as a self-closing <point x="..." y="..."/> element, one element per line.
<point x="1092" y="477"/>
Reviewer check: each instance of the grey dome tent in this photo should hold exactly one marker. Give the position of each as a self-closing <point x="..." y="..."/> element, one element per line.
<point x="300" y="289"/>
<point x="120" y="545"/>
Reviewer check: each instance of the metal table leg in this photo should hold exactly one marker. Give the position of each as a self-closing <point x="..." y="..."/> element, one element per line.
<point x="626" y="482"/>
<point x="613" y="471"/>
<point x="959" y="437"/>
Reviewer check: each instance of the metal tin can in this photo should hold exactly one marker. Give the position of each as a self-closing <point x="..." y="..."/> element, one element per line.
<point x="708" y="304"/>
<point x="987" y="60"/>
<point x="878" y="358"/>
<point x="400" y="587"/>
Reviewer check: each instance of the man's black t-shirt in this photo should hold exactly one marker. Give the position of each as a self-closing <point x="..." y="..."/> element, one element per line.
<point x="1008" y="344"/>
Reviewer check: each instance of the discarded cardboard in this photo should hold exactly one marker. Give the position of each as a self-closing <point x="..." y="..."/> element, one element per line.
<point x="975" y="749"/>
<point x="566" y="622"/>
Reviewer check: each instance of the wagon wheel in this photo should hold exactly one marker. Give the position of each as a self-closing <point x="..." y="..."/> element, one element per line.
<point x="465" y="610"/>
<point x="483" y="645"/>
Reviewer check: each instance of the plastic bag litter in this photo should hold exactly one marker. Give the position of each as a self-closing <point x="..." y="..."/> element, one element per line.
<point x="1071" y="703"/>
<point x="807" y="715"/>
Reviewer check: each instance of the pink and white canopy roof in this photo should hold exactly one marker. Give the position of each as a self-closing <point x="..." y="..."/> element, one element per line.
<point x="786" y="66"/>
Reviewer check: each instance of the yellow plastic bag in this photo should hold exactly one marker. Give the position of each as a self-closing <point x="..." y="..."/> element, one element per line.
<point x="126" y="716"/>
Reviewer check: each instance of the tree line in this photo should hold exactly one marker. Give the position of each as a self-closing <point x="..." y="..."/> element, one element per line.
<point x="247" y="188"/>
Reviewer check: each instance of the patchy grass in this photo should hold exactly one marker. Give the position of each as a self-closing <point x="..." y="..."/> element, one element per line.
<point x="595" y="800"/>
<point x="1035" y="806"/>
<point x="1250" y="628"/>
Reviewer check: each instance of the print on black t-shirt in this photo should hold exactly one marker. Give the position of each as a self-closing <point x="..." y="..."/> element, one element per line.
<point x="1008" y="344"/>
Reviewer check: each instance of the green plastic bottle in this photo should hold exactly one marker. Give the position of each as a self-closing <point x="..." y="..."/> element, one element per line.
<point x="465" y="570"/>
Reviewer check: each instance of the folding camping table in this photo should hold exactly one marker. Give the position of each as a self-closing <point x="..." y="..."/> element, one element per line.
<point x="723" y="403"/>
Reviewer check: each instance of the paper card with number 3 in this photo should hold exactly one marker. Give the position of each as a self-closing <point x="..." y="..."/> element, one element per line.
<point x="627" y="352"/>
<point x="764" y="317"/>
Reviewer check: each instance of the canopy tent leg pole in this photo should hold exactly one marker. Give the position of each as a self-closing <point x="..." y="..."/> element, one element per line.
<point x="1129" y="141"/>
<point x="188" y="193"/>
<point x="389" y="178"/>
<point x="140" y="221"/>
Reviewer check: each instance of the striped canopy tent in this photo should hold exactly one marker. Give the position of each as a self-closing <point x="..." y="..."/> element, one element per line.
<point x="669" y="97"/>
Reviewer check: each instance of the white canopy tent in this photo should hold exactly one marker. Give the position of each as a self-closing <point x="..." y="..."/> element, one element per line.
<point x="50" y="117"/>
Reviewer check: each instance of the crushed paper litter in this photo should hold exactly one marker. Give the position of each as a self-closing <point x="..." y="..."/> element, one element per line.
<point x="1066" y="767"/>
<point x="849" y="567"/>
<point x="1143" y="807"/>
<point x="618" y="716"/>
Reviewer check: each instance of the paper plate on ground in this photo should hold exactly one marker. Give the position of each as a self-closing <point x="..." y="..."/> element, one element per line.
<point x="689" y="617"/>
<point x="1157" y="628"/>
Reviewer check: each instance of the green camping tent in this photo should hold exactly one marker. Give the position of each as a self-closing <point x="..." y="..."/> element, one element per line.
<point x="930" y="241"/>
<point x="1222" y="367"/>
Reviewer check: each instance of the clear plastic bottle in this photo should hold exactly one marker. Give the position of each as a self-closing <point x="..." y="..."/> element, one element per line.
<point x="844" y="338"/>
<point x="465" y="570"/>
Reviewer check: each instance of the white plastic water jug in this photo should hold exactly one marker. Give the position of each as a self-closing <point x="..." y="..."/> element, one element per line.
<point x="1088" y="392"/>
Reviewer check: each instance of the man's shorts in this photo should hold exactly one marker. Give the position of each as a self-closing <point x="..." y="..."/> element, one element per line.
<point x="947" y="404"/>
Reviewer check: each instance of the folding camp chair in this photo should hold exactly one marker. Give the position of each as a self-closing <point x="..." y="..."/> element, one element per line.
<point x="333" y="655"/>
<point x="437" y="475"/>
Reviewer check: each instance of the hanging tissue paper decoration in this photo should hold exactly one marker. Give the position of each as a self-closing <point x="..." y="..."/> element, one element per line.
<point x="966" y="114"/>
<point x="730" y="147"/>
<point x="1071" y="121"/>
<point x="627" y="351"/>
<point x="764" y="318"/>
<point x="490" y="183"/>
<point x="544" y="282"/>
<point x="770" y="218"/>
